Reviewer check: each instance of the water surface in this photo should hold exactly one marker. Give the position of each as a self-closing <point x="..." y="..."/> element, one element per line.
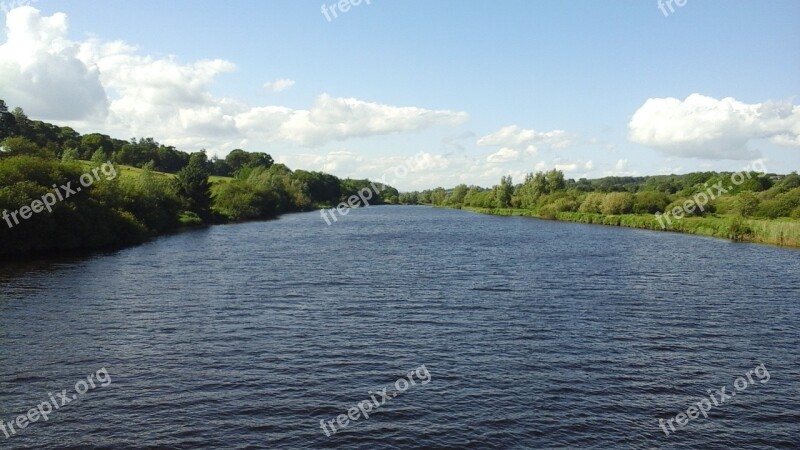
<point x="536" y="334"/>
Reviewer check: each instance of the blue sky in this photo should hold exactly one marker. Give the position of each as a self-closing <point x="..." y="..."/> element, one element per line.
<point x="455" y="91"/>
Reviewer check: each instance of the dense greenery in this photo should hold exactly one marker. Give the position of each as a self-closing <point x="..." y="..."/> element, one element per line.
<point x="755" y="207"/>
<point x="155" y="189"/>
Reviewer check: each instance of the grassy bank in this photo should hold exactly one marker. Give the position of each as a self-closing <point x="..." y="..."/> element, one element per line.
<point x="774" y="232"/>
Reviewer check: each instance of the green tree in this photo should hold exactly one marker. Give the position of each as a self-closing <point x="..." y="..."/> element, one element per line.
<point x="456" y="198"/>
<point x="91" y="142"/>
<point x="648" y="202"/>
<point x="70" y="154"/>
<point x="237" y="159"/>
<point x="592" y="203"/>
<point x="554" y="181"/>
<point x="8" y="123"/>
<point x="503" y="192"/>
<point x="24" y="125"/>
<point x="17" y="146"/>
<point x="617" y="203"/>
<point x="193" y="186"/>
<point x="99" y="157"/>
<point x="746" y="203"/>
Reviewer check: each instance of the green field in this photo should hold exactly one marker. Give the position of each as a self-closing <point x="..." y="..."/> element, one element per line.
<point x="130" y="171"/>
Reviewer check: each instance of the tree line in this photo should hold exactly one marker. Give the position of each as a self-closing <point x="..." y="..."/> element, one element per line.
<point x="758" y="195"/>
<point x="167" y="190"/>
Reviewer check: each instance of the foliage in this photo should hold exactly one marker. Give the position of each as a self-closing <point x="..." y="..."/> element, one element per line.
<point x="592" y="203"/>
<point x="193" y="186"/>
<point x="649" y="202"/>
<point x="617" y="203"/>
<point x="145" y="199"/>
<point x="8" y="123"/>
<point x="502" y="192"/>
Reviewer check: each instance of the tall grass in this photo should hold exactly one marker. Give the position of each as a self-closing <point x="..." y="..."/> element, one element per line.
<point x="784" y="232"/>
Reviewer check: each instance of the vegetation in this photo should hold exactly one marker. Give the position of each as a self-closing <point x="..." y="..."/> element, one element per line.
<point x="757" y="207"/>
<point x="156" y="189"/>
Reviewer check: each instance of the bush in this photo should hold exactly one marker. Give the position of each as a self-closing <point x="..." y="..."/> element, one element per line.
<point x="591" y="204"/>
<point x="695" y="212"/>
<point x="781" y="206"/>
<point x="649" y="202"/>
<point x="617" y="203"/>
<point x="565" y="205"/>
<point x="240" y="200"/>
<point x="746" y="203"/>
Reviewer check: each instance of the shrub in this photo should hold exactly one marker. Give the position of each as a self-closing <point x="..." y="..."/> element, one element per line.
<point x="649" y="202"/>
<point x="591" y="204"/>
<point x="565" y="205"/>
<point x="617" y="203"/>
<point x="694" y="212"/>
<point x="781" y="206"/>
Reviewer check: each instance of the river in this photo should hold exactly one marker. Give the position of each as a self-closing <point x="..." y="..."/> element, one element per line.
<point x="510" y="333"/>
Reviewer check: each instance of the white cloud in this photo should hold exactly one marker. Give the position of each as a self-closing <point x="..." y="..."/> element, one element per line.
<point x="570" y="168"/>
<point x="110" y="87"/>
<point x="338" y="119"/>
<point x="516" y="137"/>
<point x="334" y="161"/>
<point x="279" y="85"/>
<point x="503" y="155"/>
<point x="423" y="161"/>
<point x="704" y="127"/>
<point x="40" y="70"/>
<point x="620" y="169"/>
<point x="404" y="172"/>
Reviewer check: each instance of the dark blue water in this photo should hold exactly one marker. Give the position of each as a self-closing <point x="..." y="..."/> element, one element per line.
<point x="535" y="334"/>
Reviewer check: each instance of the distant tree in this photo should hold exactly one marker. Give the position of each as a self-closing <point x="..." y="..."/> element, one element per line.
<point x="8" y="123"/>
<point x="592" y="203"/>
<point x="503" y="192"/>
<point x="18" y="146"/>
<point x="746" y="203"/>
<point x="169" y="159"/>
<point x="438" y="196"/>
<point x="70" y="154"/>
<point x="260" y="160"/>
<point x="649" y="202"/>
<point x="555" y="181"/>
<point x="236" y="159"/>
<point x="193" y="185"/>
<point x="24" y="125"/>
<point x="99" y="157"/>
<point x="220" y="168"/>
<point x="91" y="142"/>
<point x="456" y="198"/>
<point x="617" y="203"/>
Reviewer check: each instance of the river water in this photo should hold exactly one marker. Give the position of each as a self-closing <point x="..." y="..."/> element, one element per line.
<point x="517" y="333"/>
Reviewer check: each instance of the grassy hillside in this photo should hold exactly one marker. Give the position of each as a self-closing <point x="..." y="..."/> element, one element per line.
<point x="133" y="172"/>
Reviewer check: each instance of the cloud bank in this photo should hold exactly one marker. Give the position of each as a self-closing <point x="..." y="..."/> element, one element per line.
<point x="97" y="85"/>
<point x="704" y="127"/>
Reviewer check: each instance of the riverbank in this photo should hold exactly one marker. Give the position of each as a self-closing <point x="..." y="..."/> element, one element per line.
<point x="784" y="233"/>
